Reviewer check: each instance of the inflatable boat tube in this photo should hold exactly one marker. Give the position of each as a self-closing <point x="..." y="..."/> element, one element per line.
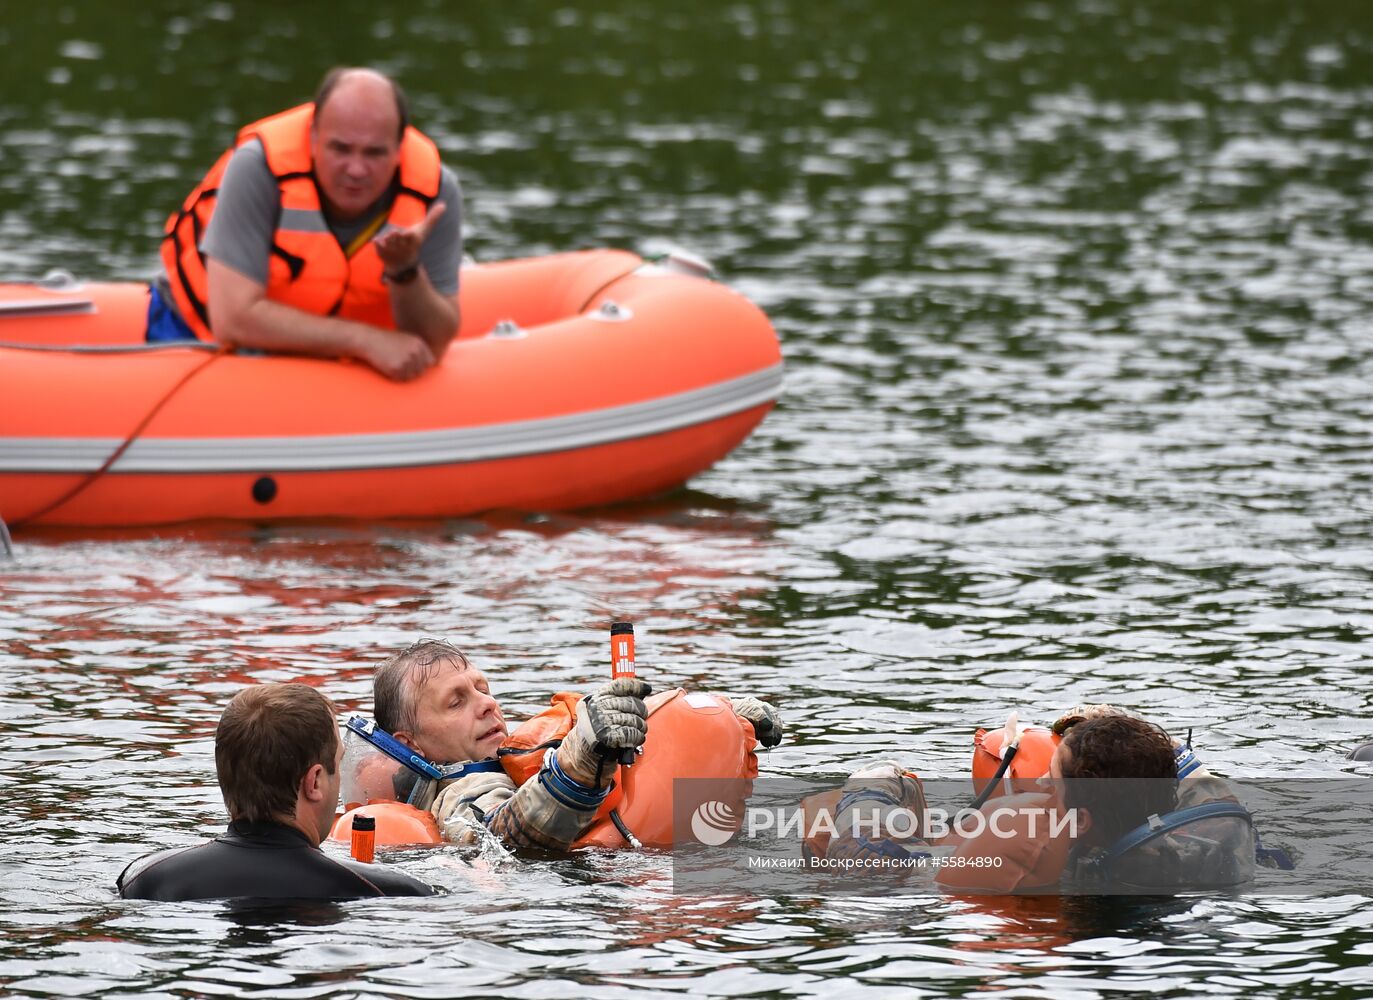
<point x="578" y="379"/>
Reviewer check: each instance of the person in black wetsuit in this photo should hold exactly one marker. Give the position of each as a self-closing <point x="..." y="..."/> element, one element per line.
<point x="277" y="752"/>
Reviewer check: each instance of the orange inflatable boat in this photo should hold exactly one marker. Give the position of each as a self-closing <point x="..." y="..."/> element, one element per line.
<point x="577" y="379"/>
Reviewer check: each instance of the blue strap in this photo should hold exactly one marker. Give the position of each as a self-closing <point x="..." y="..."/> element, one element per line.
<point x="452" y="772"/>
<point x="884" y="848"/>
<point x="865" y="847"/>
<point x="391" y="746"/>
<point x="864" y="795"/>
<point x="1173" y="820"/>
<point x="566" y="790"/>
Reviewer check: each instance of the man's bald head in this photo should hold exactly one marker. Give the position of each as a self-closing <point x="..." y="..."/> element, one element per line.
<point x="355" y="140"/>
<point x="359" y="90"/>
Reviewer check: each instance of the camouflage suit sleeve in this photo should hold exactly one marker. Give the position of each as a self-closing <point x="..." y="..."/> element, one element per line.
<point x="549" y="811"/>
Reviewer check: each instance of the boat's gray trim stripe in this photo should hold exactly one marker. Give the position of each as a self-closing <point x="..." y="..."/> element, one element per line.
<point x="379" y="451"/>
<point x="45" y="307"/>
<point x="165" y="345"/>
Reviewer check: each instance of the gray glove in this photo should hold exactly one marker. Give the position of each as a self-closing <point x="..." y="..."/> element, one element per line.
<point x="614" y="716"/>
<point x="610" y="719"/>
<point x="767" y="721"/>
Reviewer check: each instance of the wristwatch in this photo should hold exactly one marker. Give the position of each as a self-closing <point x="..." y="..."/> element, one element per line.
<point x="402" y="277"/>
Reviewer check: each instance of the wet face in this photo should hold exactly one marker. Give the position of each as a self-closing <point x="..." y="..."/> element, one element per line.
<point x="355" y="144"/>
<point x="456" y="719"/>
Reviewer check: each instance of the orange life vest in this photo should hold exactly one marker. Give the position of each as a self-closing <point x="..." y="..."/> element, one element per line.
<point x="689" y="736"/>
<point x="307" y="268"/>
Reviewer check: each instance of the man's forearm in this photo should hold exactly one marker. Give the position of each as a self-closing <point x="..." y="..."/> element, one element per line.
<point x="272" y="326"/>
<point x="535" y="817"/>
<point x="418" y="308"/>
<point x="241" y="315"/>
<point x="545" y="812"/>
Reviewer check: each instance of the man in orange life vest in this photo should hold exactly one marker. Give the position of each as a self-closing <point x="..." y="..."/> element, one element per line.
<point x="433" y="700"/>
<point x="329" y="230"/>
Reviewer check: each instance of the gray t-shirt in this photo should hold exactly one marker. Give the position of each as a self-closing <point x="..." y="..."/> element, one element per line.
<point x="240" y="231"/>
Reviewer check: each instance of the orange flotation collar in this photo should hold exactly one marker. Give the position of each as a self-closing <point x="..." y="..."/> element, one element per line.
<point x="398" y="825"/>
<point x="690" y="735"/>
<point x="1036" y="749"/>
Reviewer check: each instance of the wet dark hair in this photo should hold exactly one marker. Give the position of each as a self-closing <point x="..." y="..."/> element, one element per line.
<point x="1120" y="769"/>
<point x="399" y="680"/>
<point x="269" y="736"/>
<point x="332" y="78"/>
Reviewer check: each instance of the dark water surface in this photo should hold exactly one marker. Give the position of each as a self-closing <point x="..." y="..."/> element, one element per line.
<point x="1075" y="301"/>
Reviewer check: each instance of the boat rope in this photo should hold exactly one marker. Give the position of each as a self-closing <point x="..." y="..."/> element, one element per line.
<point x="701" y="269"/>
<point x="605" y="285"/>
<point x="5" y="540"/>
<point x="133" y="435"/>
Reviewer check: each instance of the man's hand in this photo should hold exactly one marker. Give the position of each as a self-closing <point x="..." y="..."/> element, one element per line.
<point x="398" y="356"/>
<point x="399" y="249"/>
<point x="462" y="803"/>
<point x="614" y="717"/>
<point x="610" y="719"/>
<point x="767" y="721"/>
<point x="241" y="315"/>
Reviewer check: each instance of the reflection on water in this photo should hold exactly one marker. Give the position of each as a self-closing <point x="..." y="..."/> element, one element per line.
<point x="1073" y="297"/>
